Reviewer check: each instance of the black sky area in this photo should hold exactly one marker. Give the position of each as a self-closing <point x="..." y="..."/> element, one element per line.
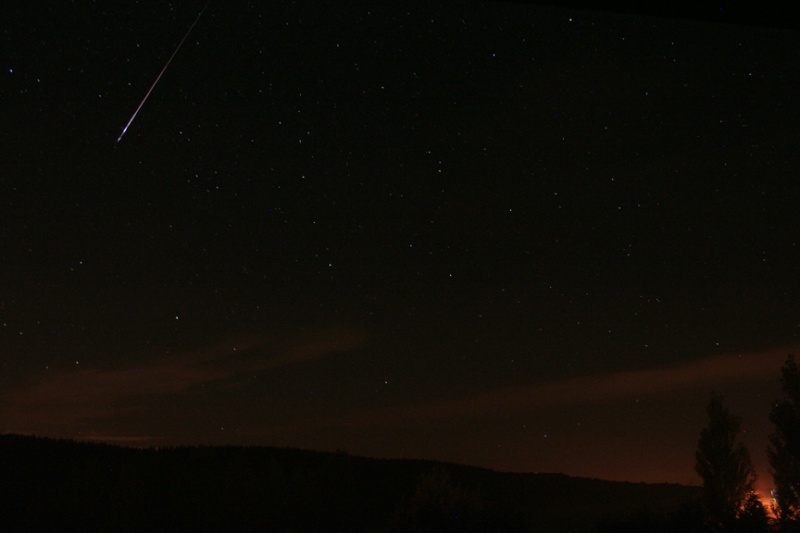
<point x="522" y="236"/>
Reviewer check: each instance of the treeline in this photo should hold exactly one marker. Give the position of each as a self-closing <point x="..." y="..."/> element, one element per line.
<point x="56" y="485"/>
<point x="729" y="501"/>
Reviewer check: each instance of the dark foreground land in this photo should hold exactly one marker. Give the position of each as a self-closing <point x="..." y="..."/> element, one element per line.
<point x="56" y="485"/>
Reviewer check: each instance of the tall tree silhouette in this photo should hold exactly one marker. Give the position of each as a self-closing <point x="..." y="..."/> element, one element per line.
<point x="784" y="447"/>
<point x="725" y="466"/>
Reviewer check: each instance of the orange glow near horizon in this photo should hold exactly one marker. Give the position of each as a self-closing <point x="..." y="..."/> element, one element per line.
<point x="765" y="496"/>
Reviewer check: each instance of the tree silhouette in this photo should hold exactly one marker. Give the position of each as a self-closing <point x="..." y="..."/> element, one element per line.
<point x="784" y="447"/>
<point x="724" y="464"/>
<point x="753" y="517"/>
<point x="439" y="505"/>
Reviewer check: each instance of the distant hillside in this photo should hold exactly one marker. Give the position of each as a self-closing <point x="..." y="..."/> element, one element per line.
<point x="53" y="485"/>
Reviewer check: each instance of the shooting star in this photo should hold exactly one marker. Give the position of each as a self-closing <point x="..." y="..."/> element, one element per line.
<point x="161" y="73"/>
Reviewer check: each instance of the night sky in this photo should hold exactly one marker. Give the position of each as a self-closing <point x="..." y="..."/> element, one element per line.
<point x="507" y="235"/>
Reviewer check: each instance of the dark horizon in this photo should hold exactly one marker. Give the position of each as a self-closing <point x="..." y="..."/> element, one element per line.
<point x="256" y="488"/>
<point x="508" y="235"/>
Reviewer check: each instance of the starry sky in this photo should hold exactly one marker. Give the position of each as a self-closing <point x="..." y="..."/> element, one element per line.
<point x="525" y="237"/>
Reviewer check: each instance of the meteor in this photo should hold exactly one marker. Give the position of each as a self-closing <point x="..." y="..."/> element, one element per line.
<point x="161" y="73"/>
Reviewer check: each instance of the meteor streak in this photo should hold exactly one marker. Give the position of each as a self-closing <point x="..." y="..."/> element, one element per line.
<point x="161" y="73"/>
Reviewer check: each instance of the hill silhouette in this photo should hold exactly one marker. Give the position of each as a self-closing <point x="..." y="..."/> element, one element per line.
<point x="52" y="485"/>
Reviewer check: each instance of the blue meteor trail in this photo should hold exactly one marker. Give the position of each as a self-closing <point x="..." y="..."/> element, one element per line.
<point x="161" y="73"/>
